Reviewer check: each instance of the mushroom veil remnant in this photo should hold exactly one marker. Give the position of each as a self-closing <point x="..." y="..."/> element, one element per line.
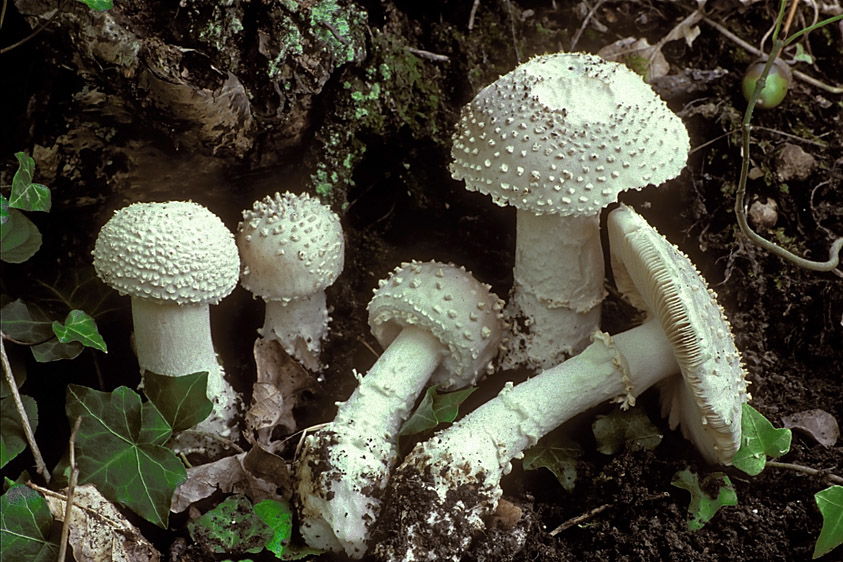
<point x="685" y="346"/>
<point x="174" y="259"/>
<point x="292" y="248"/>
<point x="437" y="323"/>
<point x="558" y="138"/>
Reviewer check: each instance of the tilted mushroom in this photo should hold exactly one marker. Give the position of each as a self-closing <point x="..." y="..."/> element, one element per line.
<point x="558" y="138"/>
<point x="174" y="259"/>
<point x="292" y="249"/>
<point x="686" y="346"/>
<point x="437" y="324"/>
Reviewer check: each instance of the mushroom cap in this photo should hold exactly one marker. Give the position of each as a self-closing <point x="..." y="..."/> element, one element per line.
<point x="564" y="134"/>
<point x="172" y="252"/>
<point x="459" y="311"/>
<point x="657" y="277"/>
<point x="291" y="246"/>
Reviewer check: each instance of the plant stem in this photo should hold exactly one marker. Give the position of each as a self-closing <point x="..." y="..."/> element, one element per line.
<point x="71" y="487"/>
<point x="833" y="478"/>
<point x="40" y="466"/>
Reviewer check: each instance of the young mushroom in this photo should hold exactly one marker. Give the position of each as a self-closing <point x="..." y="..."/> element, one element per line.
<point x="174" y="259"/>
<point x="437" y="324"/>
<point x="292" y="249"/>
<point x="558" y="138"/>
<point x="686" y="346"/>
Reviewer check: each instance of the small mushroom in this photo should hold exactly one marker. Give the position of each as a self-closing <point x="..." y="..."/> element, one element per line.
<point x="174" y="259"/>
<point x="292" y="249"/>
<point x="686" y="346"/>
<point x="437" y="323"/>
<point x="559" y="138"/>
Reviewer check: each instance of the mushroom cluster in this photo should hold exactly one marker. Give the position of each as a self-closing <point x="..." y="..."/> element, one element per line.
<point x="559" y="138"/>
<point x="437" y="323"/>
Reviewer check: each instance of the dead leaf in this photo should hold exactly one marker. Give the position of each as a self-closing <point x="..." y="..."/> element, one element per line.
<point x="258" y="474"/>
<point x="639" y="55"/>
<point x="98" y="532"/>
<point x="277" y="390"/>
<point x="817" y="424"/>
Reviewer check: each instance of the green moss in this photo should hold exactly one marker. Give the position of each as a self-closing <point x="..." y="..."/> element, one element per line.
<point x="337" y="29"/>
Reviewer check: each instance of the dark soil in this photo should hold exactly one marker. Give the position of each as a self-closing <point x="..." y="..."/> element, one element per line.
<point x="99" y="145"/>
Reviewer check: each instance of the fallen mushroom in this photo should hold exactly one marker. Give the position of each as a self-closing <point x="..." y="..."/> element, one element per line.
<point x="292" y="249"/>
<point x="174" y="259"/>
<point x="439" y="496"/>
<point x="558" y="138"/>
<point x="436" y="323"/>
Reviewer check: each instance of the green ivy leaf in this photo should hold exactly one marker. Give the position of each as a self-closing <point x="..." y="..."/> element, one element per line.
<point x="435" y="408"/>
<point x="704" y="506"/>
<point x="19" y="238"/>
<point x="279" y="517"/>
<point x="5" y="215"/>
<point x="12" y="439"/>
<point x="830" y="503"/>
<point x="99" y="5"/>
<point x="79" y="327"/>
<point x="25" y="194"/>
<point x="232" y="526"/>
<point x="631" y="428"/>
<point x="25" y="324"/>
<point x="558" y="456"/>
<point x="54" y="350"/>
<point x="25" y="522"/>
<point x="119" y="448"/>
<point x="759" y="440"/>
<point x="181" y="400"/>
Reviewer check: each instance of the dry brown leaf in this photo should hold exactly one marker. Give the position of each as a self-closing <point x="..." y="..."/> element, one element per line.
<point x="280" y="382"/>
<point x="636" y="53"/>
<point x="818" y="424"/>
<point x="98" y="532"/>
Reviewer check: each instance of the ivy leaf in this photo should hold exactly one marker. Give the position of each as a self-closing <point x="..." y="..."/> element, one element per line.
<point x="181" y="400"/>
<point x="631" y="428"/>
<point x="704" y="506"/>
<point x="759" y="440"/>
<point x="830" y="503"/>
<point x="12" y="438"/>
<point x="79" y="327"/>
<point x="25" y="194"/>
<point x="25" y="522"/>
<point x="559" y="456"/>
<point x="5" y="215"/>
<point x="279" y="517"/>
<point x="25" y="324"/>
<point x="54" y="350"/>
<point x="119" y="448"/>
<point x="19" y="238"/>
<point x="434" y="409"/>
<point x="232" y="526"/>
<point x="99" y="5"/>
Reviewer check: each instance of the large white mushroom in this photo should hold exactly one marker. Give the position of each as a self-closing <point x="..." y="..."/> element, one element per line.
<point x="174" y="259"/>
<point x="438" y="497"/>
<point x="437" y="324"/>
<point x="292" y="249"/>
<point x="558" y="138"/>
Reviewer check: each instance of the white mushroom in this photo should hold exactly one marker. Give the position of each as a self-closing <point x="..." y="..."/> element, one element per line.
<point x="292" y="249"/>
<point x="174" y="259"/>
<point x="457" y="472"/>
<point x="558" y="138"/>
<point x="437" y="323"/>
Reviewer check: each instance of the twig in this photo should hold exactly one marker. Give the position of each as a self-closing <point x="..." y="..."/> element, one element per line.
<point x="831" y="478"/>
<point x="592" y="512"/>
<point x="40" y="466"/>
<point x="71" y="488"/>
<point x="471" y="15"/>
<point x="587" y="19"/>
<point x="427" y="55"/>
<point x="35" y="32"/>
<point x="512" y="31"/>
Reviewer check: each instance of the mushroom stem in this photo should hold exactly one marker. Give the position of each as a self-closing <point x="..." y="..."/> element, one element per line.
<point x="299" y="325"/>
<point x="558" y="287"/>
<point x="175" y="340"/>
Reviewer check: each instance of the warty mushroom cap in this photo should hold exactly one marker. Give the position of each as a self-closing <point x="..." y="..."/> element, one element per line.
<point x="291" y="246"/>
<point x="177" y="251"/>
<point x="445" y="300"/>
<point x="564" y="134"/>
<point x="657" y="277"/>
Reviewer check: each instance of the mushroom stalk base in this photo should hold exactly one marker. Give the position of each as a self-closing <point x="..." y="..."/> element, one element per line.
<point x="446" y="486"/>
<point x="175" y="340"/>
<point x="299" y="325"/>
<point x="344" y="466"/>
<point x="557" y="290"/>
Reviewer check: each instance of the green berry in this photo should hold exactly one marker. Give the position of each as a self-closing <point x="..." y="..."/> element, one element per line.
<point x="775" y="87"/>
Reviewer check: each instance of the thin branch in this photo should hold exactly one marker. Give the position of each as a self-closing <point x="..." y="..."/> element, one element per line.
<point x="71" y="488"/>
<point x="592" y="512"/>
<point x="427" y="55"/>
<point x="587" y="19"/>
<point x="472" y="14"/>
<point x="35" y="32"/>
<point x="831" y="478"/>
<point x="40" y="466"/>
